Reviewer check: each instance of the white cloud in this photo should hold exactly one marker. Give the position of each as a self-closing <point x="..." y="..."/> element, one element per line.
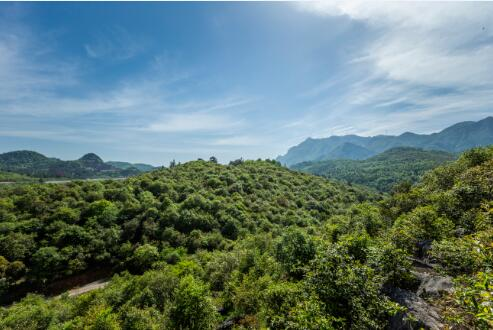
<point x="436" y="44"/>
<point x="427" y="65"/>
<point x="42" y="97"/>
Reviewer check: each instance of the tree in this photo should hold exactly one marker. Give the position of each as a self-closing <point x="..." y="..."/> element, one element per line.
<point x="46" y="262"/>
<point x="294" y="251"/>
<point x="193" y="308"/>
<point x="144" y="256"/>
<point x="16" y="246"/>
<point x="349" y="290"/>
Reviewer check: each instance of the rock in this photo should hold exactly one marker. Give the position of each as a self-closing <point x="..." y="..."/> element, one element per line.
<point x="229" y="323"/>
<point x="420" y="314"/>
<point x="460" y="232"/>
<point x="434" y="285"/>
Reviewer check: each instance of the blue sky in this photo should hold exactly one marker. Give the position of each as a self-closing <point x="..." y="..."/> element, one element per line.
<point x="151" y="82"/>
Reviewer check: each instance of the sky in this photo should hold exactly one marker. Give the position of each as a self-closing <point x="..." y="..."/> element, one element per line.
<point x="152" y="82"/>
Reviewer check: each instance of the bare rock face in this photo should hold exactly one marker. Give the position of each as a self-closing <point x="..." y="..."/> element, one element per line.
<point x="420" y="314"/>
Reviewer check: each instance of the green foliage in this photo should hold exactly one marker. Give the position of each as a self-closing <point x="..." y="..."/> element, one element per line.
<point x="393" y="264"/>
<point x="251" y="244"/>
<point x="193" y="308"/>
<point x="294" y="251"/>
<point x="452" y="208"/>
<point x="47" y="261"/>
<point x="418" y="225"/>
<point x="381" y="172"/>
<point x="127" y="224"/>
<point x="144" y="256"/>
<point x="349" y="290"/>
<point x="475" y="296"/>
<point x="287" y="306"/>
<point x="15" y="177"/>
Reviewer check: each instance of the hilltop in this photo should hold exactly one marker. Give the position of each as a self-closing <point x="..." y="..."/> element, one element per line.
<point x="196" y="205"/>
<point x="383" y="171"/>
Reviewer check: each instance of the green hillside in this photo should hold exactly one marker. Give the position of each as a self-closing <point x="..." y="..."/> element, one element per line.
<point x="251" y="245"/>
<point x="195" y="205"/>
<point x="382" y="171"/>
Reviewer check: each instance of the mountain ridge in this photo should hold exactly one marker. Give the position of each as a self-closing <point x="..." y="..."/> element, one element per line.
<point x="90" y="165"/>
<point x="382" y="171"/>
<point x="455" y="138"/>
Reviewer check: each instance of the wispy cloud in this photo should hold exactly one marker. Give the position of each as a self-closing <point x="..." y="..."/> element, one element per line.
<point x="115" y="44"/>
<point x="239" y="140"/>
<point x="428" y="60"/>
<point x="193" y="122"/>
<point x="135" y="110"/>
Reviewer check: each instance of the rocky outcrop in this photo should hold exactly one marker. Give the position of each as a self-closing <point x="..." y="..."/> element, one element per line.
<point x="419" y="315"/>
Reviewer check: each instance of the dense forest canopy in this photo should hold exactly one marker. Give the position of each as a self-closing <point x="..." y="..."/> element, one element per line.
<point x="383" y="171"/>
<point x="249" y="245"/>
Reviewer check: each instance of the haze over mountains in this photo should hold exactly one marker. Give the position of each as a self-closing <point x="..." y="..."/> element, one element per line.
<point x="36" y="165"/>
<point x="456" y="138"/>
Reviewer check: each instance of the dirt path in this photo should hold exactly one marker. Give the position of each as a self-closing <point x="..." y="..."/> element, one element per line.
<point x="99" y="284"/>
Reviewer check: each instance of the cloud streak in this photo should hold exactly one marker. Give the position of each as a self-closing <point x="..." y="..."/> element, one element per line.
<point x="193" y="122"/>
<point x="426" y="61"/>
<point x="115" y="44"/>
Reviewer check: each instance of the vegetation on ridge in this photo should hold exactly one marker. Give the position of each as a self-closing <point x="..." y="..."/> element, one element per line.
<point x="383" y="171"/>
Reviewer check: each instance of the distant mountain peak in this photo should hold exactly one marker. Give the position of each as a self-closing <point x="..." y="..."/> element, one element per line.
<point x="91" y="158"/>
<point x="22" y="156"/>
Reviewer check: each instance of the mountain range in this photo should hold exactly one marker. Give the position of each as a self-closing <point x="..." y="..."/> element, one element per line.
<point x="456" y="138"/>
<point x="36" y="165"/>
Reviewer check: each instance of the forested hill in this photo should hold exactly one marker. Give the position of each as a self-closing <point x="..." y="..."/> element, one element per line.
<point x="456" y="138"/>
<point x="383" y="171"/>
<point x="254" y="245"/>
<point x="37" y="165"/>
<point x="51" y="231"/>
